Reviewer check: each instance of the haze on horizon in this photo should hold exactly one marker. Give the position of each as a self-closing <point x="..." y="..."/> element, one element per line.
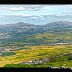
<point x="35" y="14"/>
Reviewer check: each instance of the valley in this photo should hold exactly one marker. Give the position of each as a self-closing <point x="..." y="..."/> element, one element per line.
<point x="27" y="45"/>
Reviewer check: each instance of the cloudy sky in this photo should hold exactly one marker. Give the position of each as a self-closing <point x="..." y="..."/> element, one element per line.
<point x="36" y="13"/>
<point x="36" y="10"/>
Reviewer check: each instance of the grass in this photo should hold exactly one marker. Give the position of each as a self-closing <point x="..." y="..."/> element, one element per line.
<point x="38" y="52"/>
<point x="8" y="53"/>
<point x="66" y="64"/>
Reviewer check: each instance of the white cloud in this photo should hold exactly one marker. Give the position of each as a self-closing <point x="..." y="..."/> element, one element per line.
<point x="35" y="17"/>
<point x="41" y="17"/>
<point x="21" y="14"/>
<point x="20" y="7"/>
<point x="25" y="15"/>
<point x="15" y="8"/>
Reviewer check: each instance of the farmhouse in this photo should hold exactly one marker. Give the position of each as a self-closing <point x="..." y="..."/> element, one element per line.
<point x="61" y="43"/>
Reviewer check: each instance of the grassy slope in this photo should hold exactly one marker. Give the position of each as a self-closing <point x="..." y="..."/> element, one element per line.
<point x="40" y="39"/>
<point x="45" y="38"/>
<point x="37" y="52"/>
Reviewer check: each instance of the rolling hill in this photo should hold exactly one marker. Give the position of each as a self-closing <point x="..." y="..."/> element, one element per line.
<point x="29" y="34"/>
<point x="45" y="45"/>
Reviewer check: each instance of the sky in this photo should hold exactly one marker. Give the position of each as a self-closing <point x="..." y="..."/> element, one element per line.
<point x="35" y="14"/>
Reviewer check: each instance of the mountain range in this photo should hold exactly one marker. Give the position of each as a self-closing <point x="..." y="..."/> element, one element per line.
<point x="30" y="34"/>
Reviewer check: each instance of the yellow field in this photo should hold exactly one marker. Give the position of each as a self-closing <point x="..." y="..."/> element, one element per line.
<point x="35" y="52"/>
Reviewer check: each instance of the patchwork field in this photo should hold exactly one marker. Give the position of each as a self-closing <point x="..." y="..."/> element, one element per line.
<point x="56" y="56"/>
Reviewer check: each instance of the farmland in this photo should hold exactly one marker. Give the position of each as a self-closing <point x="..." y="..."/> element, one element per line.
<point x="58" y="54"/>
<point x="27" y="45"/>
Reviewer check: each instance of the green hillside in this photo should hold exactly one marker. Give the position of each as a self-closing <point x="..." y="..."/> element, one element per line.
<point x="27" y="45"/>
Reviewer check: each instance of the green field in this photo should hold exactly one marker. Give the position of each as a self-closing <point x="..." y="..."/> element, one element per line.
<point x="39" y="47"/>
<point x="59" y="55"/>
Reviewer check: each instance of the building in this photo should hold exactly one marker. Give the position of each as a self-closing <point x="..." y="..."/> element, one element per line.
<point x="61" y="43"/>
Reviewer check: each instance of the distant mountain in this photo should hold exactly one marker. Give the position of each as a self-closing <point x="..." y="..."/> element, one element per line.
<point x="30" y="29"/>
<point x="12" y="33"/>
<point x="58" y="26"/>
<point x="60" y="23"/>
